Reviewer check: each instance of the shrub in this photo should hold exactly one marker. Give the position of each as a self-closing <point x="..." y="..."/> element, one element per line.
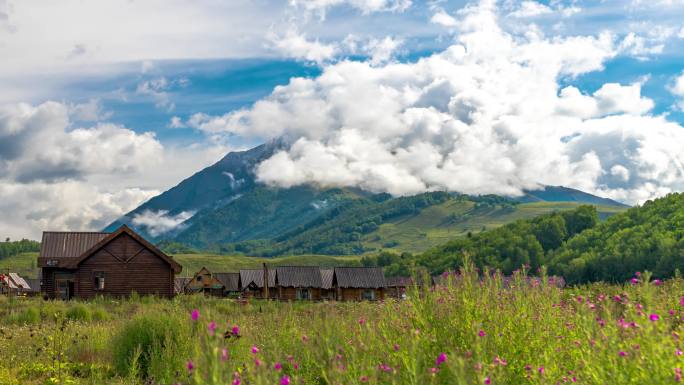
<point x="79" y="312"/>
<point x="28" y="316"/>
<point x="151" y="346"/>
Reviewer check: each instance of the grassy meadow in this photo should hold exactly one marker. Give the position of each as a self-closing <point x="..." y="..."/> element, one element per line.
<point x="469" y="331"/>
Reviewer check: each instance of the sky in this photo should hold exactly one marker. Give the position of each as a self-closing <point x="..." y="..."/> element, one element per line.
<point x="106" y="104"/>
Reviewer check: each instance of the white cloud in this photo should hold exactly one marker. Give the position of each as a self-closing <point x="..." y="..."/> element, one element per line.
<point x="444" y="19"/>
<point x="365" y="6"/>
<point x="486" y="115"/>
<point x="530" y="8"/>
<point x="91" y="111"/>
<point x="680" y="34"/>
<point x="382" y="50"/>
<point x="677" y="89"/>
<point x="176" y="122"/>
<point x="160" y="222"/>
<point x="295" y="45"/>
<point x="159" y="88"/>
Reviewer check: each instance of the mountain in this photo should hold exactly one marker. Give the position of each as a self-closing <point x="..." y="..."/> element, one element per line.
<point x="223" y="208"/>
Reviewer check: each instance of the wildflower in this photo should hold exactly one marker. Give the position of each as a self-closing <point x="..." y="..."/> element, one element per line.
<point x="487" y="381"/>
<point x="236" y="381"/>
<point x="433" y="370"/>
<point x="481" y="333"/>
<point x="634" y="281"/>
<point x="638" y="274"/>
<point x="396" y="347"/>
<point x="363" y="379"/>
<point x="678" y="374"/>
<point x="440" y="359"/>
<point x="194" y="315"/>
<point x="671" y="312"/>
<point x="362" y="321"/>
<point x="257" y="362"/>
<point x="622" y="353"/>
<point x="305" y="338"/>
<point x="212" y="328"/>
<point x="681" y="301"/>
<point x="541" y="370"/>
<point x="285" y="380"/>
<point x="500" y="361"/>
<point x="277" y="366"/>
<point x="678" y="352"/>
<point x="385" y="368"/>
<point x="657" y="282"/>
<point x="255" y="350"/>
<point x="224" y="354"/>
<point x="190" y="366"/>
<point x="654" y="317"/>
<point x="235" y="330"/>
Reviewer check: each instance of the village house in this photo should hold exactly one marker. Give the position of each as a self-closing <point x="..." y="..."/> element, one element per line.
<point x="217" y="284"/>
<point x="88" y="264"/>
<point x="252" y="283"/>
<point x="359" y="283"/>
<point x="299" y="282"/>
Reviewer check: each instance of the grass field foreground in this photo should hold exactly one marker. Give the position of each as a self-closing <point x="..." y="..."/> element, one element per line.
<point x="470" y="331"/>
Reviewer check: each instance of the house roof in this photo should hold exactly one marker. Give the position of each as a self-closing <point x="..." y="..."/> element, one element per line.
<point x="327" y="275"/>
<point x="60" y="244"/>
<point x="20" y="282"/>
<point x="299" y="276"/>
<point x="257" y="276"/>
<point x="69" y="249"/>
<point x="360" y="277"/>
<point x="179" y="284"/>
<point x="231" y="281"/>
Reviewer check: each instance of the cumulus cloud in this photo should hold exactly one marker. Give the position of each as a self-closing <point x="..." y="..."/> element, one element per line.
<point x="677" y="89"/>
<point x="296" y="45"/>
<point x="444" y="19"/>
<point x="487" y="115"/>
<point x="530" y="8"/>
<point x="160" y="222"/>
<point x="158" y="89"/>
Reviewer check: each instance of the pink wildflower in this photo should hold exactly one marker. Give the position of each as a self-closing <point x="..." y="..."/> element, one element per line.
<point x="277" y="366"/>
<point x="541" y="370"/>
<point x="194" y="315"/>
<point x="255" y="350"/>
<point x="396" y="347"/>
<point x="257" y="362"/>
<point x="212" y="328"/>
<point x="285" y="380"/>
<point x="434" y="370"/>
<point x="487" y="381"/>
<point x="654" y="317"/>
<point x="364" y="379"/>
<point x="235" y="330"/>
<point x="440" y="359"/>
<point x="362" y="321"/>
<point x="657" y="282"/>
<point x="190" y="366"/>
<point x="224" y="354"/>
<point x="481" y="333"/>
<point x="678" y="352"/>
<point x="634" y="281"/>
<point x="622" y="353"/>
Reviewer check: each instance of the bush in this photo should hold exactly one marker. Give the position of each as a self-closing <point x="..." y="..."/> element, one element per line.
<point x="79" y="312"/>
<point x="151" y="346"/>
<point x="28" y="316"/>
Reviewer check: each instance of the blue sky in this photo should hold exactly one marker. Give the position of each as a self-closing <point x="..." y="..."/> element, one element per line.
<point x="172" y="85"/>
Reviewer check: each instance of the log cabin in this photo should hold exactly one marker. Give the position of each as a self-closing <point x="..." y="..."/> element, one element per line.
<point x="359" y="283"/>
<point x="299" y="283"/>
<point x="252" y="283"/>
<point x="87" y="264"/>
<point x="217" y="284"/>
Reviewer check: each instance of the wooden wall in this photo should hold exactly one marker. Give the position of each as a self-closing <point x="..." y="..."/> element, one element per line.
<point x="290" y="293"/>
<point x="129" y="267"/>
<point x="349" y="294"/>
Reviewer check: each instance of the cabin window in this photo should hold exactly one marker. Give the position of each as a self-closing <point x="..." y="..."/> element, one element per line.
<point x="199" y="278"/>
<point x="369" y="295"/>
<point x="99" y="280"/>
<point x="303" y="294"/>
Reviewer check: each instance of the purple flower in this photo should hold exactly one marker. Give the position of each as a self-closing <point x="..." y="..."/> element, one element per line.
<point x="194" y="315"/>
<point x="657" y="282"/>
<point x="622" y="353"/>
<point x="634" y="281"/>
<point x="487" y="381"/>
<point x="654" y="317"/>
<point x="440" y="359"/>
<point x="190" y="366"/>
<point x="235" y="330"/>
<point x="285" y="380"/>
<point x="481" y="333"/>
<point x="541" y="370"/>
<point x="255" y="350"/>
<point x="396" y="347"/>
<point x="224" y="354"/>
<point x="212" y="328"/>
<point x="277" y="366"/>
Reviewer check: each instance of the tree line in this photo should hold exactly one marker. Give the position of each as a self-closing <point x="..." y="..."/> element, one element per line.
<point x="9" y="248"/>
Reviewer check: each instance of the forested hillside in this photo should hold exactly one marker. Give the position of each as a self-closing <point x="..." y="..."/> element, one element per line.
<point x="10" y="248"/>
<point x="573" y="244"/>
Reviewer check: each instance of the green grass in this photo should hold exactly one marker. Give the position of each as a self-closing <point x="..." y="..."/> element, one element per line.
<point x="469" y="331"/>
<point x="440" y="223"/>
<point x="26" y="264"/>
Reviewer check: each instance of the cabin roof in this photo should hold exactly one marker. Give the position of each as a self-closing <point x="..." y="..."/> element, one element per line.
<point x="299" y="276"/>
<point x="69" y="249"/>
<point x="327" y="275"/>
<point x="14" y="281"/>
<point x="63" y="244"/>
<point x="257" y="276"/>
<point x="231" y="281"/>
<point x="360" y="277"/>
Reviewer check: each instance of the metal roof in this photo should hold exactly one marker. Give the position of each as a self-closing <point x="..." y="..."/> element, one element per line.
<point x="327" y="277"/>
<point x="299" y="276"/>
<point x="19" y="282"/>
<point x="59" y="244"/>
<point x="231" y="281"/>
<point x="256" y="276"/>
<point x="360" y="277"/>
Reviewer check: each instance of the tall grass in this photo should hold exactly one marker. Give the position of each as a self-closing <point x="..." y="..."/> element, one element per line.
<point x="471" y="330"/>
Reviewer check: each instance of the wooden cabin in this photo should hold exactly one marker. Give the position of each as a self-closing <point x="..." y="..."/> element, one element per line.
<point x="328" y="291"/>
<point x="252" y="283"/>
<point x="299" y="283"/>
<point x="217" y="284"/>
<point x="231" y="283"/>
<point x="359" y="283"/>
<point x="87" y="264"/>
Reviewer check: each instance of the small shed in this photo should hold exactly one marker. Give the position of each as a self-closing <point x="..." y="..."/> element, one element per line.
<point x="359" y="283"/>
<point x="204" y="282"/>
<point x="299" y="282"/>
